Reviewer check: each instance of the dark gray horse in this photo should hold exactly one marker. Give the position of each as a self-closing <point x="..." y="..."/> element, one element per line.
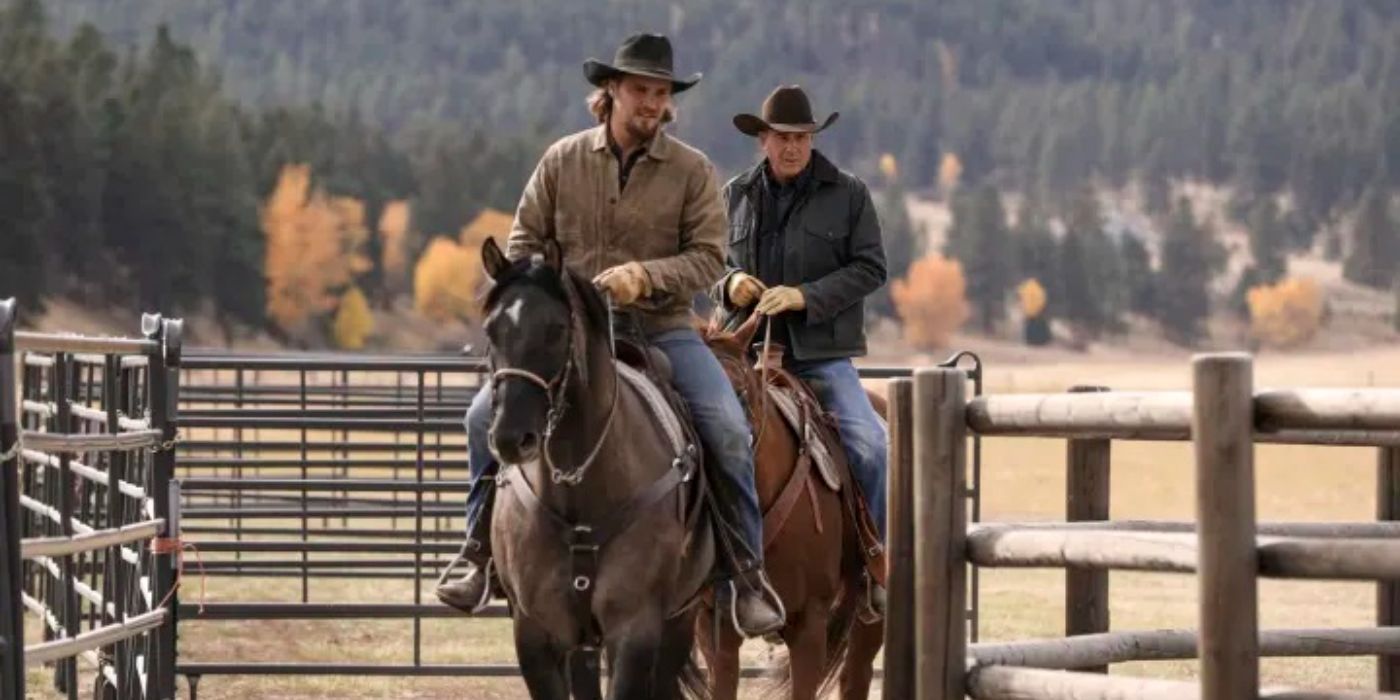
<point x="598" y="541"/>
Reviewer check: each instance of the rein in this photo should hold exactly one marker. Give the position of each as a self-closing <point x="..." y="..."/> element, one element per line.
<point x="554" y="389"/>
<point x="763" y="377"/>
<point x="760" y="412"/>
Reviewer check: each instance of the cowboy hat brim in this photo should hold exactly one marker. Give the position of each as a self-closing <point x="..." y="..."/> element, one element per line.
<point x="598" y="73"/>
<point x="753" y="125"/>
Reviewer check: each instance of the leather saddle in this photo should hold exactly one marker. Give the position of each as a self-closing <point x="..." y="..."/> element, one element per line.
<point x="817" y="432"/>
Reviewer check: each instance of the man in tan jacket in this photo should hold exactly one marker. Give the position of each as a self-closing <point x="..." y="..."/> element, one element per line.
<point x="639" y="212"/>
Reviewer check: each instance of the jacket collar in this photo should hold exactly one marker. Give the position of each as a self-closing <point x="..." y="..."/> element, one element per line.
<point x="659" y="148"/>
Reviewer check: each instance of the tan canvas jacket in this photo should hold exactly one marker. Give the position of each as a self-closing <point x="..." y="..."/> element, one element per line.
<point x="669" y="218"/>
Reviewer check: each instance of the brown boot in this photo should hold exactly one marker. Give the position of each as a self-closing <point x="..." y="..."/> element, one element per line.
<point x="470" y="593"/>
<point x="755" y="608"/>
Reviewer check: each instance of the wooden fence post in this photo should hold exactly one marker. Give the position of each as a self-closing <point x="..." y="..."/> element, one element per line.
<point x="11" y="576"/>
<point x="1223" y="433"/>
<point x="1388" y="593"/>
<point x="899" y="624"/>
<point x="1087" y="476"/>
<point x="940" y="533"/>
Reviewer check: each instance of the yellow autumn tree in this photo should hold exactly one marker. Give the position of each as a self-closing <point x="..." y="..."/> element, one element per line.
<point x="1285" y="314"/>
<point x="446" y="280"/>
<point x="889" y="167"/>
<point x="313" y="250"/>
<point x="354" y="322"/>
<point x="931" y="301"/>
<point x="1031" y="297"/>
<point x="393" y="235"/>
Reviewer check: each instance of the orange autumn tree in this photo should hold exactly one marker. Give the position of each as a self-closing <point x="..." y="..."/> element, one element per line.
<point x="1285" y="314"/>
<point x="932" y="301"/>
<point x="313" y="248"/>
<point x="446" y="281"/>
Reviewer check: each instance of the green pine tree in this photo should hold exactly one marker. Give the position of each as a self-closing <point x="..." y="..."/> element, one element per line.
<point x="903" y="243"/>
<point x="1190" y="260"/>
<point x="1103" y="300"/>
<point x="1267" y="241"/>
<point x="1138" y="275"/>
<point x="1374" y="253"/>
<point x="979" y="238"/>
<point x="1038" y="255"/>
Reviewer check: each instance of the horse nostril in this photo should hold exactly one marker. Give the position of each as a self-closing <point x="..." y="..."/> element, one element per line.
<point x="528" y="442"/>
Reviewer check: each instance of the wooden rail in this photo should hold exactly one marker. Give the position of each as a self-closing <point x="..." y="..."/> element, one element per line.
<point x="1226" y="547"/>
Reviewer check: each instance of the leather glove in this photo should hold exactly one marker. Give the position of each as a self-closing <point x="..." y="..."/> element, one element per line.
<point x="779" y="299"/>
<point x="743" y="289"/>
<point x="625" y="283"/>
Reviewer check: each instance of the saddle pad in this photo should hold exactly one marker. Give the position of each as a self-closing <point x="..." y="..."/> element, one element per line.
<point x="821" y="454"/>
<point x="670" y="422"/>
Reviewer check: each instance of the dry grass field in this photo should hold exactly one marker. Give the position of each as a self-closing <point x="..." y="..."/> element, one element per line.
<point x="1023" y="480"/>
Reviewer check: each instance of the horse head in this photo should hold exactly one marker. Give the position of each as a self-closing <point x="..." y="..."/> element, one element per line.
<point x="539" y="323"/>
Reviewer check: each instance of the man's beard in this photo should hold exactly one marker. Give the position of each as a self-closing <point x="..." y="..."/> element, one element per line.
<point x="641" y="130"/>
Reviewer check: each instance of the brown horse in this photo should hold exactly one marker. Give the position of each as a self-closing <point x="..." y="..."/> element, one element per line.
<point x="812" y="556"/>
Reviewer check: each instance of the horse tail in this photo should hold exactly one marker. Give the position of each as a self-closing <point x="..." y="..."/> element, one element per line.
<point x="841" y="624"/>
<point x="692" y="681"/>
<point x="838" y="635"/>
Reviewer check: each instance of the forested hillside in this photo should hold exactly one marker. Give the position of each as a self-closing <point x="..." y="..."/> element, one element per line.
<point x="1303" y="94"/>
<point x="138" y="137"/>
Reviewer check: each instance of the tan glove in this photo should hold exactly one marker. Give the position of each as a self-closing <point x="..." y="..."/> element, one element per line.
<point x="625" y="283"/>
<point x="744" y="289"/>
<point x="779" y="299"/>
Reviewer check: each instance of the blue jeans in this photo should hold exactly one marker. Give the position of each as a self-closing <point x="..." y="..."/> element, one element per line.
<point x="837" y="385"/>
<point x="719" y="419"/>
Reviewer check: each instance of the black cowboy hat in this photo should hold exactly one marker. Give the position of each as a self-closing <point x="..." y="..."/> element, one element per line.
<point x="785" y="109"/>
<point x="647" y="55"/>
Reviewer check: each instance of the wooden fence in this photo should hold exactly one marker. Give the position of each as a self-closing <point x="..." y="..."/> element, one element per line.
<point x="927" y="654"/>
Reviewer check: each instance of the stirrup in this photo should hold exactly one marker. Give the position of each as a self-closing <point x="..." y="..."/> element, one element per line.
<point x="866" y="612"/>
<point x="487" y="570"/>
<point x="765" y="590"/>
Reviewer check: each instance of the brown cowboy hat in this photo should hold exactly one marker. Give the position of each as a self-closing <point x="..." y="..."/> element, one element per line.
<point x="647" y="55"/>
<point x="785" y="109"/>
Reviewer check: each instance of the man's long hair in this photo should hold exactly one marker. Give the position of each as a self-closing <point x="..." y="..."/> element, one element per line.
<point x="600" y="104"/>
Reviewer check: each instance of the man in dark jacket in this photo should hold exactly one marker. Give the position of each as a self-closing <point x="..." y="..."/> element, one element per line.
<point x="805" y="249"/>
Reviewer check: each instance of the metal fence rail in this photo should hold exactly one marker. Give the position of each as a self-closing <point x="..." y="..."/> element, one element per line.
<point x="318" y="466"/>
<point x="86" y="433"/>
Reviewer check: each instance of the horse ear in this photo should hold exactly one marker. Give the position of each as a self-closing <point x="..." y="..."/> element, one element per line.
<point x="493" y="259"/>
<point x="749" y="329"/>
<point x="554" y="253"/>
